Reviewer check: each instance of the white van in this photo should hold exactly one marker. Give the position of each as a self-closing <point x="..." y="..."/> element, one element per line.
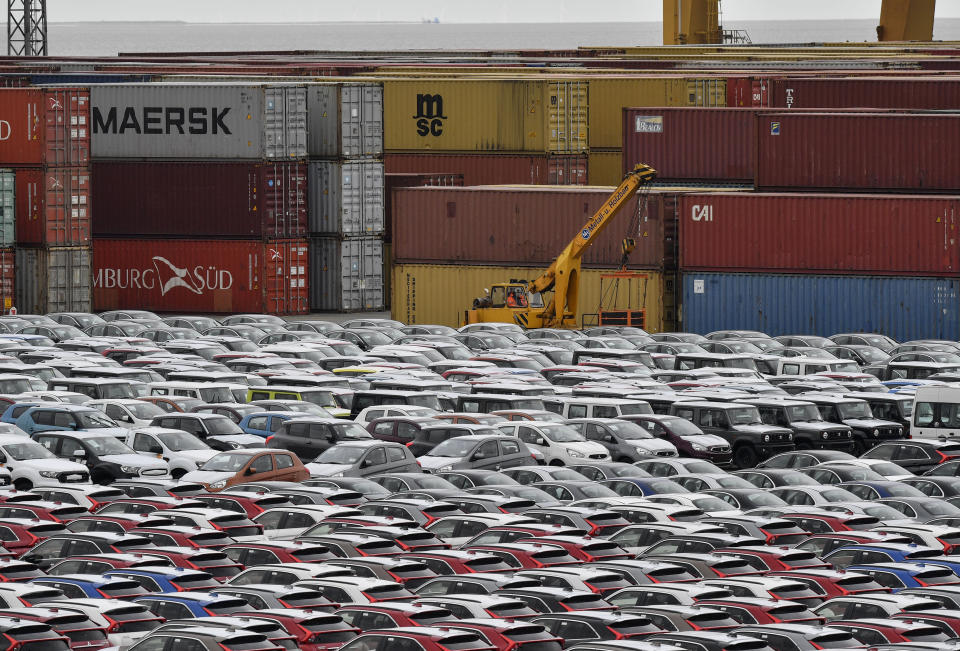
<point x="205" y="391"/>
<point x="811" y="365"/>
<point x="936" y="412"/>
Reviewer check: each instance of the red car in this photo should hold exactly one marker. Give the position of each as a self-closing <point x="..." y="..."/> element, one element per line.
<point x="253" y="504"/>
<point x="393" y="615"/>
<point x="12" y="571"/>
<point x="76" y="627"/>
<point x="140" y="505"/>
<point x="528" y="555"/>
<point x="460" y="561"/>
<point x="818" y="522"/>
<point x="184" y="536"/>
<point x="775" y="558"/>
<point x="427" y="638"/>
<point x="752" y="610"/>
<point x="510" y="635"/>
<point x="314" y="631"/>
<point x="584" y="548"/>
<point x="41" y="510"/>
<point x="212" y="561"/>
<point x="834" y="583"/>
<point x="512" y="532"/>
<point x="19" y="535"/>
<point x="891" y="631"/>
<point x="822" y="544"/>
<point x="277" y="551"/>
<point x="947" y="620"/>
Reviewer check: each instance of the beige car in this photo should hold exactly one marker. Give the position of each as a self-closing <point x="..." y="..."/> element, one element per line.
<point x="240" y="466"/>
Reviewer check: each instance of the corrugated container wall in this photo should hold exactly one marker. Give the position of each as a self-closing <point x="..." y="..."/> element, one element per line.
<point x="54" y="206"/>
<point x="902" y="308"/>
<point x="609" y="95"/>
<point x="605" y="168"/>
<point x="439" y="294"/>
<point x="495" y="169"/>
<point x="905" y="152"/>
<point x="346" y="275"/>
<point x="491" y="225"/>
<point x="7" y="207"/>
<point x="345" y="120"/>
<point x="937" y="93"/>
<point x="392" y="181"/>
<point x="203" y="199"/>
<point x="802" y="233"/>
<point x="346" y="198"/>
<point x="8" y="267"/>
<point x="53" y="280"/>
<point x="199" y="121"/>
<point x="713" y="145"/>
<point x="45" y="127"/>
<point x="201" y="276"/>
<point x="506" y="115"/>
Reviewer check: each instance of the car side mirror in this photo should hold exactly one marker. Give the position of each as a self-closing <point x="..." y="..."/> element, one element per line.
<point x="366" y="463"/>
<point x="80" y="453"/>
<point x="331" y="437"/>
<point x="250" y="471"/>
<point x="155" y="449"/>
<point x="540" y="441"/>
<point x="608" y="438"/>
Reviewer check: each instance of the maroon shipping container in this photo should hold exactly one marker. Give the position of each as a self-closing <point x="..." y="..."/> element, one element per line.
<point x="821" y="233"/>
<point x="858" y="151"/>
<point x="691" y="144"/>
<point x="391" y="181"/>
<point x="940" y="93"/>
<point x="44" y="126"/>
<point x="201" y="276"/>
<point x="168" y="199"/>
<point x="53" y="206"/>
<point x="519" y="225"/>
<point x="494" y="169"/>
<point x="748" y="91"/>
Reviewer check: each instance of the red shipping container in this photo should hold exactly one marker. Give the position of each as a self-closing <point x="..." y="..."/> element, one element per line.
<point x="691" y="144"/>
<point x="7" y="277"/>
<point x="821" y="233"/>
<point x="391" y="181"/>
<point x="858" y="151"/>
<point x="44" y="126"/>
<point x="748" y="91"/>
<point x="519" y="225"/>
<point x="940" y="93"/>
<point x="169" y="199"/>
<point x="494" y="169"/>
<point x="201" y="276"/>
<point x="53" y="206"/>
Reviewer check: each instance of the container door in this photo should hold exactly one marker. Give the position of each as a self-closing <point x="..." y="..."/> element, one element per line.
<point x="557" y="119"/>
<point x="372" y="115"/>
<point x="285" y="277"/>
<point x="68" y="280"/>
<point x="326" y="200"/>
<point x="578" y="106"/>
<point x="285" y="122"/>
<point x="371" y="279"/>
<point x="372" y="180"/>
<point x="7" y="207"/>
<point x="65" y="214"/>
<point x="325" y="276"/>
<point x="29" y="281"/>
<point x="351" y="121"/>
<point x="324" y="118"/>
<point x="66" y="122"/>
<point x="283" y="201"/>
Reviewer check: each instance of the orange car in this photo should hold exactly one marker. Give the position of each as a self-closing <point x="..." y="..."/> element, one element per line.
<point x="240" y="466"/>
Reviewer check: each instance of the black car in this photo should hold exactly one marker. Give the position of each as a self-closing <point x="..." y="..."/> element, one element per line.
<point x="308" y="437"/>
<point x="62" y="546"/>
<point x="804" y="458"/>
<point x="810" y="431"/>
<point x="916" y="455"/>
<point x="868" y="430"/>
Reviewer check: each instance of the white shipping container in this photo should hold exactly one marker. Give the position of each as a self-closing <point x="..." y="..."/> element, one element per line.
<point x="345" y="120"/>
<point x="53" y="280"/>
<point x="197" y="121"/>
<point x="346" y="275"/>
<point x="346" y="198"/>
<point x="7" y="207"/>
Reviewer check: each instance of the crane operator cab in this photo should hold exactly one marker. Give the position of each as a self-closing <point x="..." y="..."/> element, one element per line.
<point x="508" y="297"/>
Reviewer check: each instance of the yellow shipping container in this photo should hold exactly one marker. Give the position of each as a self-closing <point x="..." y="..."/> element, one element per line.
<point x="605" y="167"/>
<point x="439" y="294"/>
<point x="610" y="95"/>
<point x="503" y="115"/>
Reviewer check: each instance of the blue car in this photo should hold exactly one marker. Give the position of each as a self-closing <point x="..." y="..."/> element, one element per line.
<point x="63" y="417"/>
<point x="847" y="555"/>
<point x="166" y="579"/>
<point x="190" y="605"/>
<point x="14" y="411"/>
<point x="898" y="576"/>
<point x="642" y="486"/>
<point x="91" y="586"/>
<point x="266" y="423"/>
<point x="877" y="490"/>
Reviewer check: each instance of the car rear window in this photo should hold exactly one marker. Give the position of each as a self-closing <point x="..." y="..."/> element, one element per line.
<point x="229" y="605"/>
<point x="925" y="634"/>
<point x="379" y="547"/>
<point x="489" y="563"/>
<point x="410" y="570"/>
<point x="553" y="556"/>
<point x="42" y="595"/>
<point x="669" y="574"/>
<point x="799" y="559"/>
<point x="793" y="591"/>
<point x="312" y="554"/>
<point x="464" y="642"/>
<point x="633" y="626"/>
<point x="195" y="581"/>
<point x="85" y="635"/>
<point x="584" y="602"/>
<point x="381" y="592"/>
<point x="509" y="609"/>
<point x="428" y="617"/>
<point x="936" y="577"/>
<point x="246" y="643"/>
<point x="731" y="567"/>
<point x="838" y="640"/>
<point x="705" y="620"/>
<point x="793" y="611"/>
<point x="210" y="539"/>
<point x="305" y="599"/>
<point x="119" y="589"/>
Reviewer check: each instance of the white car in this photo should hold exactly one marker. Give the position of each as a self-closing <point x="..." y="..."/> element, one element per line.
<point x="117" y="616"/>
<point x="128" y="412"/>
<point x="236" y="525"/>
<point x="458" y="529"/>
<point x="290" y="522"/>
<point x="183" y="452"/>
<point x="372" y="413"/>
<point x="30" y="464"/>
<point x="560" y="444"/>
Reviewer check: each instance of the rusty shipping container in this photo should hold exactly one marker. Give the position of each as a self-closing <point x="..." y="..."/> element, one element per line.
<point x="821" y="233"/>
<point x="495" y="169"/>
<point x="53" y="280"/>
<point x="507" y="225"/>
<point x="691" y="144"/>
<point x="47" y="126"/>
<point x="907" y="152"/>
<point x="489" y="114"/>
<point x="201" y="276"/>
<point x="345" y="120"/>
<point x="194" y="121"/>
<point x="346" y="197"/>
<point x="748" y="92"/>
<point x="933" y="93"/>
<point x="53" y="206"/>
<point x="391" y="181"/>
<point x="200" y="199"/>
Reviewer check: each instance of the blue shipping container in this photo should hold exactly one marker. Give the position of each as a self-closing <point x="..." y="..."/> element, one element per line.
<point x="779" y="304"/>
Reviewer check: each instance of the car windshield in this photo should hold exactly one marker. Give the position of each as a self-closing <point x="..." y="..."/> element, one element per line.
<point x="305" y="408"/>
<point x="94" y="420"/>
<point x="27" y="451"/>
<point x="107" y="445"/>
<point x="345" y="455"/>
<point x="456" y="447"/>
<point x="320" y="398"/>
<point x="857" y="473"/>
<point x="858" y="409"/>
<point x="803" y="413"/>
<point x="888" y="469"/>
<point x="144" y="410"/>
<point x="226" y="462"/>
<point x="216" y="394"/>
<point x="629" y="431"/>
<point x="180" y="441"/>
<point x="872" y="354"/>
<point x="710" y="503"/>
<point x="682" y="427"/>
<point x="426" y="400"/>
<point x="907" y="407"/>
<point x="882" y="511"/>
<point x="561" y="433"/>
<point x="744" y="416"/>
<point x="351" y="431"/>
<point x="221" y="426"/>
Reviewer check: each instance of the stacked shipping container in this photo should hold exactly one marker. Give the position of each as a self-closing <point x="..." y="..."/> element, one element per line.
<point x="346" y="189"/>
<point x="182" y="163"/>
<point x="46" y="199"/>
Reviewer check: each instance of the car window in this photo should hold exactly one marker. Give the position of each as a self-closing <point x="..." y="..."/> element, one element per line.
<point x="395" y="454"/>
<point x="375" y="457"/>
<point x="509" y="447"/>
<point x="283" y="461"/>
<point x="257" y="422"/>
<point x="488" y="450"/>
<point x="263" y="463"/>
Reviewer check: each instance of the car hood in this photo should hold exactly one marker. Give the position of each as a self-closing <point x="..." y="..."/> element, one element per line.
<point x="707" y="440"/>
<point x="762" y="429"/>
<point x="119" y="432"/>
<point x="243" y="440"/>
<point x="428" y="462"/>
<point x="138" y="460"/>
<point x="199" y="456"/>
<point x="206" y="476"/>
<point x="870" y="423"/>
<point x="654" y="445"/>
<point x="330" y="469"/>
<point x="586" y="447"/>
<point x="58" y="465"/>
<point x="820" y="426"/>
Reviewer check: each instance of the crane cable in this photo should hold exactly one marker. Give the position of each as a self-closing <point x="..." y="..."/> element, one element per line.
<point x="633" y="226"/>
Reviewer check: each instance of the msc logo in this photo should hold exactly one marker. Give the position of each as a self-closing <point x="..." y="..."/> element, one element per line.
<point x="702" y="213"/>
<point x="429" y="115"/>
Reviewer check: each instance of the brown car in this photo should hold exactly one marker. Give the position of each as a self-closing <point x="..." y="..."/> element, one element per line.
<point x="240" y="466"/>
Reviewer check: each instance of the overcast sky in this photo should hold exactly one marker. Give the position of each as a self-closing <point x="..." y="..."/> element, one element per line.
<point x="248" y="11"/>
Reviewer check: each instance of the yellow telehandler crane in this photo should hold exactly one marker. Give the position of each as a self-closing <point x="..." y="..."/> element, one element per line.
<point x="522" y="302"/>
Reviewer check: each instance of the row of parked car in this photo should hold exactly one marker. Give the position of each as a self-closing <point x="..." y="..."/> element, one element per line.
<point x="254" y="484"/>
